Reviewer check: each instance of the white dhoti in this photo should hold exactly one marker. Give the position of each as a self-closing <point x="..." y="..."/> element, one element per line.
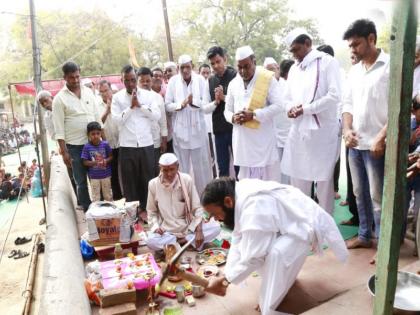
<point x="324" y="191"/>
<point x="157" y="242"/>
<point x="280" y="270"/>
<point x="198" y="161"/>
<point x="269" y="172"/>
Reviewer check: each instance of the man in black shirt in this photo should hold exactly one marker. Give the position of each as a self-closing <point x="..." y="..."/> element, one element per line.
<point x="218" y="85"/>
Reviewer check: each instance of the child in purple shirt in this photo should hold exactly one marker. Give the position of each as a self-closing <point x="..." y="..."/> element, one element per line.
<point x="97" y="155"/>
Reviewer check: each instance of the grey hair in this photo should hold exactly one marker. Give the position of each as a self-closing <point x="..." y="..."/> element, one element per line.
<point x="43" y="94"/>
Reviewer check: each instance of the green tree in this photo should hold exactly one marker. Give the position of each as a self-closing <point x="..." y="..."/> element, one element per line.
<point x="233" y="23"/>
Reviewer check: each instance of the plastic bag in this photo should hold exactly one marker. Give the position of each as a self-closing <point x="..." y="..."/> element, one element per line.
<point x="86" y="249"/>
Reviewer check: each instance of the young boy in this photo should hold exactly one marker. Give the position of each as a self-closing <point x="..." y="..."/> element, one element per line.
<point x="97" y="155"/>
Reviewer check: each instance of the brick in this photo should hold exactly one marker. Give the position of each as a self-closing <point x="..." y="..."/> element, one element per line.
<point x="117" y="296"/>
<point x="122" y="309"/>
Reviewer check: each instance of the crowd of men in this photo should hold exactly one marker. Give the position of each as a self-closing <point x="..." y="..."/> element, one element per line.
<point x="279" y="123"/>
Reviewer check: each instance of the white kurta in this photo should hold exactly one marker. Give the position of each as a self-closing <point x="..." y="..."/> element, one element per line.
<point x="189" y="128"/>
<point x="254" y="148"/>
<point x="310" y="152"/>
<point x="275" y="227"/>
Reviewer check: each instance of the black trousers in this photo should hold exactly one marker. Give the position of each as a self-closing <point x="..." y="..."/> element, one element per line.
<point x="136" y="170"/>
<point x="351" y="198"/>
<point x="115" y="180"/>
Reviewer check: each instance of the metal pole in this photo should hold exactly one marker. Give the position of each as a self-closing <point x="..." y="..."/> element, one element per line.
<point x="38" y="87"/>
<point x="168" y="31"/>
<point x="13" y="124"/>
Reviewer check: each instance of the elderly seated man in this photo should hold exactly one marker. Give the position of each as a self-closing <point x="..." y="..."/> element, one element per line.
<point x="174" y="210"/>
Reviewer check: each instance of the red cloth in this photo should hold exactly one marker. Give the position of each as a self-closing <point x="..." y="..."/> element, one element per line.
<point x="54" y="86"/>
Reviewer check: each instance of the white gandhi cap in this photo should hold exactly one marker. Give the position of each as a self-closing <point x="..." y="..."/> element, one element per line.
<point x="169" y="64"/>
<point x="167" y="159"/>
<point x="183" y="59"/>
<point x="290" y="38"/>
<point x="269" y="61"/>
<point x="243" y="52"/>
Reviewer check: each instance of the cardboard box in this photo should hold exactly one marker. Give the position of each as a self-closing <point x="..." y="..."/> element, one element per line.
<point x="108" y="230"/>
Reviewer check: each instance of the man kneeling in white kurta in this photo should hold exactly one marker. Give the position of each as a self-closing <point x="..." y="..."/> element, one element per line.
<point x="174" y="210"/>
<point x="274" y="228"/>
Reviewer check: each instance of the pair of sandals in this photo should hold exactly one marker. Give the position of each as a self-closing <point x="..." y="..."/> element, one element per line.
<point x="18" y="254"/>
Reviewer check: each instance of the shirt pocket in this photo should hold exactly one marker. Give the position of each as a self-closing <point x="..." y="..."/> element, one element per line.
<point x="179" y="209"/>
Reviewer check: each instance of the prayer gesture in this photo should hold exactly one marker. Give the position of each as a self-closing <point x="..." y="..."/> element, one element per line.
<point x="187" y="101"/>
<point x="218" y="94"/>
<point x="351" y="139"/>
<point x="295" y="111"/>
<point x="134" y="100"/>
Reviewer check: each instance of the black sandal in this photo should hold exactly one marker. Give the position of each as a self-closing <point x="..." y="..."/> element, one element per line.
<point x="21" y="254"/>
<point x="22" y="240"/>
<point x="12" y="253"/>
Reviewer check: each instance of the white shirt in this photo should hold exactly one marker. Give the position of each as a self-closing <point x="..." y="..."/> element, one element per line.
<point x="49" y="124"/>
<point x="189" y="126"/>
<point x="281" y="121"/>
<point x="367" y="99"/>
<point x="160" y="127"/>
<point x="416" y="81"/>
<point x="71" y="115"/>
<point x="110" y="128"/>
<point x="253" y="147"/>
<point x="135" y="125"/>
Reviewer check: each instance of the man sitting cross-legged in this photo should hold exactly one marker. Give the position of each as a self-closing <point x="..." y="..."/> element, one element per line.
<point x="174" y="210"/>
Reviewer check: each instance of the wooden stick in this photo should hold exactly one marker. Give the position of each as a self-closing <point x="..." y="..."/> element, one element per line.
<point x="31" y="276"/>
<point x="403" y="42"/>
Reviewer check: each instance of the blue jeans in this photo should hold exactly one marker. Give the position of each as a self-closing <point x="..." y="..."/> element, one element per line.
<point x="223" y="143"/>
<point x="368" y="182"/>
<point x="79" y="175"/>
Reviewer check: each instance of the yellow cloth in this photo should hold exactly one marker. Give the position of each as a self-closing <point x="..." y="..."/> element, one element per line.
<point x="259" y="94"/>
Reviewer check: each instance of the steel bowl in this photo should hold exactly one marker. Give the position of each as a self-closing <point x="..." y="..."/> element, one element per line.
<point x="198" y="291"/>
<point x="407" y="293"/>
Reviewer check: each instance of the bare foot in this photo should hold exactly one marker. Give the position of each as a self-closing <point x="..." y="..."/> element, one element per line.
<point x="258" y="308"/>
<point x="348" y="222"/>
<point x="344" y="203"/>
<point x="337" y="196"/>
<point x="358" y="243"/>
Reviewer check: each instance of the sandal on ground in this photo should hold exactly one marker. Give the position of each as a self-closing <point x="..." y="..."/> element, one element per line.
<point x="12" y="253"/>
<point x="22" y="240"/>
<point x="21" y="254"/>
<point x="41" y="248"/>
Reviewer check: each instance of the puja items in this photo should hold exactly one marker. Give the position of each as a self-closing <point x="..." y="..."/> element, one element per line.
<point x="139" y="271"/>
<point x="180" y="293"/>
<point x="108" y="224"/>
<point x="198" y="291"/>
<point x="212" y="256"/>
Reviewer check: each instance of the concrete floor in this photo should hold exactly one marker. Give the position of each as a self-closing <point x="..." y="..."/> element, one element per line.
<point x="14" y="273"/>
